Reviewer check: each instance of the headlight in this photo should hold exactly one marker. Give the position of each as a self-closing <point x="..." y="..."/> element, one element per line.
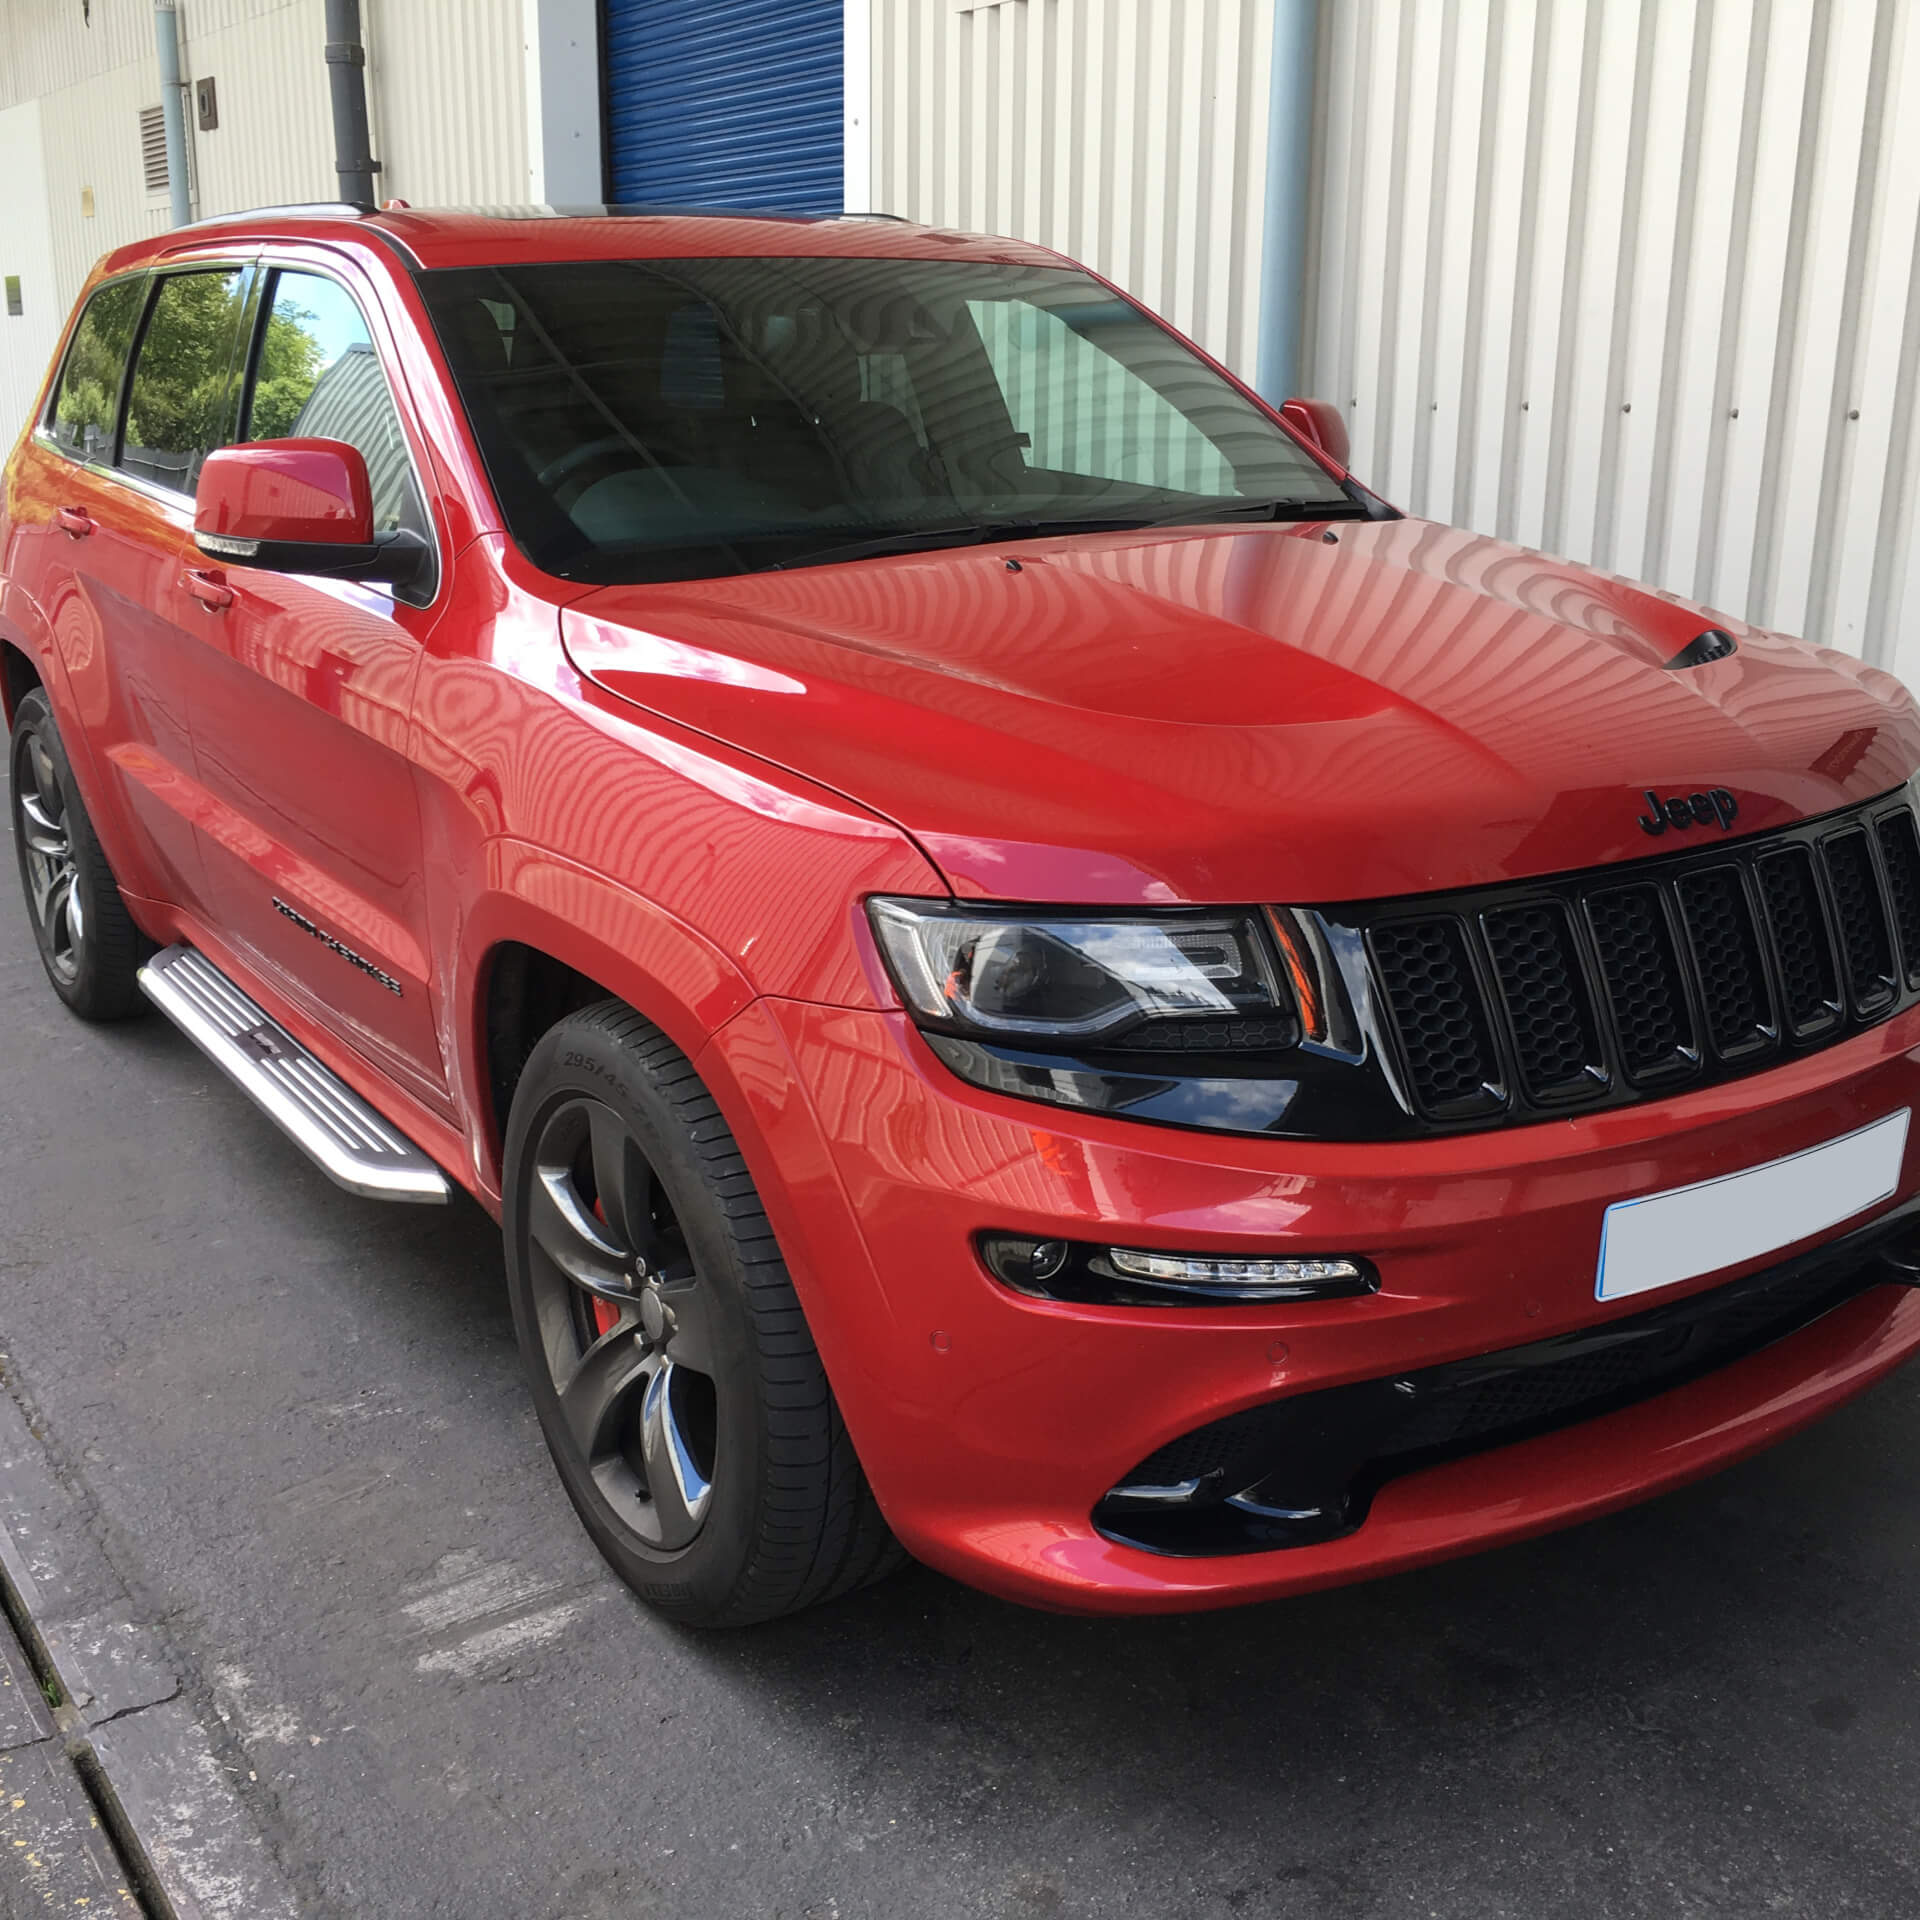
<point x="1206" y="980"/>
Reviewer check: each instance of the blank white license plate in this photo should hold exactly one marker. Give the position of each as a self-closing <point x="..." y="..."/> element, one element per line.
<point x="1664" y="1238"/>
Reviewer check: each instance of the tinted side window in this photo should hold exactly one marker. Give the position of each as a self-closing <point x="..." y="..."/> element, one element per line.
<point x="83" y="408"/>
<point x="319" y="379"/>
<point x="177" y="402"/>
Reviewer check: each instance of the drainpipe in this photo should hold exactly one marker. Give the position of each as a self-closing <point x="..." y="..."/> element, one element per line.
<point x="353" y="157"/>
<point x="1283" y="267"/>
<point x="173" y="108"/>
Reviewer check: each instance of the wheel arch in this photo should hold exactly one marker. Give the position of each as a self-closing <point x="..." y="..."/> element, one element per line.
<point x="550" y="938"/>
<point x="18" y="678"/>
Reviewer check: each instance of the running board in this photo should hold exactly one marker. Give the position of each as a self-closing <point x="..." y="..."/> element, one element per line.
<point x="325" y="1118"/>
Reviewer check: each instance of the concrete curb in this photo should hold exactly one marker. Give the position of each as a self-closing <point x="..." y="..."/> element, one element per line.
<point x="171" y="1800"/>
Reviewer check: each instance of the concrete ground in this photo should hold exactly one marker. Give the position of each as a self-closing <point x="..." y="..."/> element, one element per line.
<point x="294" y="1424"/>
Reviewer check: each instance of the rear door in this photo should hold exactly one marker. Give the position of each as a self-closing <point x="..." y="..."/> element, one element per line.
<point x="120" y="457"/>
<point x="313" y="841"/>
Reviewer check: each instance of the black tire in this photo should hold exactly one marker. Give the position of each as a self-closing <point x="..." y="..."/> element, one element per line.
<point x="88" y="943"/>
<point x="618" y="1161"/>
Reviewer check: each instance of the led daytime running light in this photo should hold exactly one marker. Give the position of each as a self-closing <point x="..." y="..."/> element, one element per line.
<point x="1177" y="1269"/>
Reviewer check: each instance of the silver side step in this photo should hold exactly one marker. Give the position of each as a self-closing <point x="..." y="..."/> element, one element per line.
<point x="330" y="1123"/>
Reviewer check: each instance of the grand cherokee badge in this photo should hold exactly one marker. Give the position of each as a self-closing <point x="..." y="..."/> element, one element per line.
<point x="1689" y="809"/>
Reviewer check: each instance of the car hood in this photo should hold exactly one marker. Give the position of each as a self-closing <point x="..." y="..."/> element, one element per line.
<point x="1252" y="713"/>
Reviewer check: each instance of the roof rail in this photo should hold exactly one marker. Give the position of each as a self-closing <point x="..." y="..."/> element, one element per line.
<point x="900" y="217"/>
<point x="340" y="210"/>
<point x="310" y="210"/>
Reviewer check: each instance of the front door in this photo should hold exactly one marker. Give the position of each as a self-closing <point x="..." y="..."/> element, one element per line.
<point x="312" y="833"/>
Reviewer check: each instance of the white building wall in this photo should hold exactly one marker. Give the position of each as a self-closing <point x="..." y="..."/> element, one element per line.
<point x="1131" y="134"/>
<point x="1635" y="281"/>
<point x="26" y="252"/>
<point x="447" y="97"/>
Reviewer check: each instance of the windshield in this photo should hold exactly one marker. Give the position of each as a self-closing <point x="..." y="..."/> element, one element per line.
<point x="675" y="419"/>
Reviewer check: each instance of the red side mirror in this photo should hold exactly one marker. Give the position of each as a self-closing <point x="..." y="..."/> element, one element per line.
<point x="282" y="493"/>
<point x="303" y="506"/>
<point x="1319" y="423"/>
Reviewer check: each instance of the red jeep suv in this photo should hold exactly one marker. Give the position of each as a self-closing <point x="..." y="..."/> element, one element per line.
<point x="1036" y="977"/>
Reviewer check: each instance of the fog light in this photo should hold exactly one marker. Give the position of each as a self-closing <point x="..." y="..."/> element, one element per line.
<point x="1126" y="1276"/>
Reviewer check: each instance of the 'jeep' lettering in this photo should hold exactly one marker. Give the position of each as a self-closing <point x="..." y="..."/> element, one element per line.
<point x="1685" y="810"/>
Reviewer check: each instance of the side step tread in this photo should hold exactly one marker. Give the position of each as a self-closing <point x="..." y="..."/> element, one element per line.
<point x="319" y="1112"/>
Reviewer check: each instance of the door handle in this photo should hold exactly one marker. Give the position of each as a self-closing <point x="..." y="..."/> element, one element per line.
<point x="74" y="520"/>
<point x="209" y="586"/>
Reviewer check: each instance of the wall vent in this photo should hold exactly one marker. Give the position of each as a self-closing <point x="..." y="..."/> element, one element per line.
<point x="153" y="148"/>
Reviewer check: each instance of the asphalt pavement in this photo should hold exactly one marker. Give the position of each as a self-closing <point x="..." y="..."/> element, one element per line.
<point x="293" y="1423"/>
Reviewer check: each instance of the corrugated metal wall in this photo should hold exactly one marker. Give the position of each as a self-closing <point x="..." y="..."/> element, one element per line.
<point x="1131" y="134"/>
<point x="1635" y="281"/>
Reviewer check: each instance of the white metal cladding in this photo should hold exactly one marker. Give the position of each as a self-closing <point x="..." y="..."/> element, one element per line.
<point x="1131" y="134"/>
<point x="1635" y="281"/>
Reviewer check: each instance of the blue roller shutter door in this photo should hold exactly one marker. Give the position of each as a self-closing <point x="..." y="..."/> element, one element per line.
<point x="725" y="103"/>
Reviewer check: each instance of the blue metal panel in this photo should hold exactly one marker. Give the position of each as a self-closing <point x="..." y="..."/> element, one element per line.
<point x="726" y="103"/>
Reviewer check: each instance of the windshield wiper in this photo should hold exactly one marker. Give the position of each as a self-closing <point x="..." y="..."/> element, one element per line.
<point x="974" y="533"/>
<point x="1341" y="509"/>
<point x="967" y="533"/>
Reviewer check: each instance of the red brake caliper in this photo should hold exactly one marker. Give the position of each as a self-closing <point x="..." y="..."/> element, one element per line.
<point x="606" y="1316"/>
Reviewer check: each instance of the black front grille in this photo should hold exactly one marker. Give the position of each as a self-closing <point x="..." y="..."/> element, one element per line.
<point x="1640" y="975"/>
<point x="1797" y="926"/>
<point x="1725" y="944"/>
<point x="1865" y="938"/>
<point x="1545" y="997"/>
<point x="1510" y="1003"/>
<point x="1436" y="1006"/>
<point x="1900" y="856"/>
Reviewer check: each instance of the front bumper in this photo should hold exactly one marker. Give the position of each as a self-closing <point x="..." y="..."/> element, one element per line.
<point x="992" y="1425"/>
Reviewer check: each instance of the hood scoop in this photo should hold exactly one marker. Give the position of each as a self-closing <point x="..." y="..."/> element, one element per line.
<point x="1710" y="643"/>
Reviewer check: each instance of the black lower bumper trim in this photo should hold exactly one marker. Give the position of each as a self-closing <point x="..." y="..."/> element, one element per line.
<point x="1304" y="1469"/>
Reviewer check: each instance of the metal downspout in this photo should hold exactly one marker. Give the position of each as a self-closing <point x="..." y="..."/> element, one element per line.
<point x="353" y="160"/>
<point x="173" y="108"/>
<point x="1283" y="265"/>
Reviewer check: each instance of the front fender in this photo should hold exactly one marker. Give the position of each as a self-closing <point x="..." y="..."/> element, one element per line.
<point x="635" y="949"/>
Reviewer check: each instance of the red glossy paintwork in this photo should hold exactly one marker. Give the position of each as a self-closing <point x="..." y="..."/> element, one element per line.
<point x="686" y="792"/>
<point x="307" y="490"/>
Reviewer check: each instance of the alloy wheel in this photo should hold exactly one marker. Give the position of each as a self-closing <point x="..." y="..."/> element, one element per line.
<point x="626" y="1323"/>
<point x="53" y="893"/>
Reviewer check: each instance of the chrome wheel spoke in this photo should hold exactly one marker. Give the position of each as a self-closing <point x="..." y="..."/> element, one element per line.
<point x="677" y="1489"/>
<point x="53" y="906"/>
<point x="626" y="1323"/>
<point x="573" y="1240"/>
<point x="598" y="1398"/>
<point x="689" y="1341"/>
<point x="620" y="1176"/>
<point x="46" y="830"/>
<point x="44" y="877"/>
<point x="45" y="781"/>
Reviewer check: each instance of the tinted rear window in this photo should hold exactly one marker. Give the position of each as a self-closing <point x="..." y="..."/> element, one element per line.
<point x="89" y="391"/>
<point x="179" y="401"/>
